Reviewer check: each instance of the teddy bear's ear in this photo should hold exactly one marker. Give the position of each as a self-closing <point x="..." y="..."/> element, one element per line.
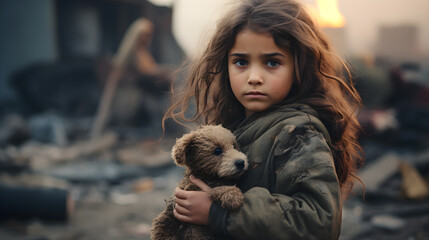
<point x="179" y="149"/>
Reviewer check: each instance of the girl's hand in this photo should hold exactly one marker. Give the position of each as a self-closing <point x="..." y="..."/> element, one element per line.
<point x="193" y="206"/>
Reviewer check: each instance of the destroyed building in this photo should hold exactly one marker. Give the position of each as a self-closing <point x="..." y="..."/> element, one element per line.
<point x="58" y="58"/>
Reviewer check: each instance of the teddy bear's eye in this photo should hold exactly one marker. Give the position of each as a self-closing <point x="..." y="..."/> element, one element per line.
<point x="217" y="151"/>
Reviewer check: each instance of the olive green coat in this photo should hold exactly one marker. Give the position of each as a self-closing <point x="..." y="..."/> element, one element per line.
<point x="291" y="190"/>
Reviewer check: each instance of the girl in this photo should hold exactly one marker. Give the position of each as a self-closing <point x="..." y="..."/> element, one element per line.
<point x="270" y="75"/>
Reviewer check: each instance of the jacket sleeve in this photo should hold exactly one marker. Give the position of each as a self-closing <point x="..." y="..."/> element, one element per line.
<point x="305" y="200"/>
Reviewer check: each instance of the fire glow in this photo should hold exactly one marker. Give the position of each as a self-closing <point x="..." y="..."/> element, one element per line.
<point x="328" y="14"/>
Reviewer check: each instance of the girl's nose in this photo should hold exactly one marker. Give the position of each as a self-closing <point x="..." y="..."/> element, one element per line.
<point x="255" y="76"/>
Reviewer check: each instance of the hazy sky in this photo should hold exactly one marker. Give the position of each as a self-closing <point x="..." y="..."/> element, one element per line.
<point x="193" y="20"/>
<point x="364" y="17"/>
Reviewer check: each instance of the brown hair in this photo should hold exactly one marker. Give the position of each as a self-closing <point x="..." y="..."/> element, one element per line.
<point x="322" y="79"/>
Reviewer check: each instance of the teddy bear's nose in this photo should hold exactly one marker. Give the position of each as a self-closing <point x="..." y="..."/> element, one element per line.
<point x="239" y="164"/>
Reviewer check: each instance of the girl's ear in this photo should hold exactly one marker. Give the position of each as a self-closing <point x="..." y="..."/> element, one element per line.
<point x="179" y="149"/>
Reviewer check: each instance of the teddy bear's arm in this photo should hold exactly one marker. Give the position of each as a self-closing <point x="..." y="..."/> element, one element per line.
<point x="229" y="197"/>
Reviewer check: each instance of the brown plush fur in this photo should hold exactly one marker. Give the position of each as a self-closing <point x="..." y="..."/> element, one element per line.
<point x="209" y="153"/>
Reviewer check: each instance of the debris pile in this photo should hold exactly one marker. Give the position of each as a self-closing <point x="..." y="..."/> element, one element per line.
<point x="89" y="151"/>
<point x="393" y="203"/>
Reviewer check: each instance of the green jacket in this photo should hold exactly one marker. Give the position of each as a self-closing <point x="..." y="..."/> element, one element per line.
<point x="291" y="190"/>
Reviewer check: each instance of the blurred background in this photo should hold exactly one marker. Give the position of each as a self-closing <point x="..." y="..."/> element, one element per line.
<point x="84" y="85"/>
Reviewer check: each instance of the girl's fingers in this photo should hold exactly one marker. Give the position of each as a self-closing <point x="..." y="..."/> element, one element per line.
<point x="182" y="202"/>
<point x="199" y="183"/>
<point x="181" y="217"/>
<point x="181" y="210"/>
<point x="192" y="207"/>
<point x="179" y="193"/>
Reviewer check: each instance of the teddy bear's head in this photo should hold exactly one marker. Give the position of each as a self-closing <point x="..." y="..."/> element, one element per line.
<point x="210" y="151"/>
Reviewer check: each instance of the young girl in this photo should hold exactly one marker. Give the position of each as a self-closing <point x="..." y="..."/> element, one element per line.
<point x="270" y="75"/>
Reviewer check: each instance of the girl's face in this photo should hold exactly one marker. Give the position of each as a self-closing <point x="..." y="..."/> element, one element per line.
<point x="261" y="74"/>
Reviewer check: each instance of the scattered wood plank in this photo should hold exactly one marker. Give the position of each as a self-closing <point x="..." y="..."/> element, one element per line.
<point x="413" y="184"/>
<point x="40" y="155"/>
<point x="376" y="173"/>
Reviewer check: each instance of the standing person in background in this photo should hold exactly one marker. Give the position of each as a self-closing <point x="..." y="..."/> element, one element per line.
<point x="270" y="75"/>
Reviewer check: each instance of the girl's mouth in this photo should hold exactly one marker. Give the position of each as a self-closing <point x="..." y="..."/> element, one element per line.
<point x="254" y="94"/>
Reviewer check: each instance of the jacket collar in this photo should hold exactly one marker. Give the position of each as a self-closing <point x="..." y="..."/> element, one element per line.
<point x="258" y="123"/>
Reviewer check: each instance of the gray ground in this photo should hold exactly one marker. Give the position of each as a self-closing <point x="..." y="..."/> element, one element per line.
<point x="118" y="201"/>
<point x="120" y="212"/>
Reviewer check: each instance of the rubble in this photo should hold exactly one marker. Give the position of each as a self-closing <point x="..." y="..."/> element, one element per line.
<point x="147" y="153"/>
<point x="376" y="173"/>
<point x="121" y="174"/>
<point x="387" y="222"/>
<point x="413" y="184"/>
<point x="39" y="155"/>
<point x="144" y="185"/>
<point x="14" y="130"/>
<point x="93" y="171"/>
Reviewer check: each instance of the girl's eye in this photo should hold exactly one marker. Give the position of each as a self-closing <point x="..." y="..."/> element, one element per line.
<point x="273" y="63"/>
<point x="217" y="151"/>
<point x="240" y="62"/>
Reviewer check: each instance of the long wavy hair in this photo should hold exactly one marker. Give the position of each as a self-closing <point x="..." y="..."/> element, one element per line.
<point x="322" y="79"/>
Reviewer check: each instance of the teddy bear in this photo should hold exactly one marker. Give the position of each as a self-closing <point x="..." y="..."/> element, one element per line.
<point x="211" y="154"/>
